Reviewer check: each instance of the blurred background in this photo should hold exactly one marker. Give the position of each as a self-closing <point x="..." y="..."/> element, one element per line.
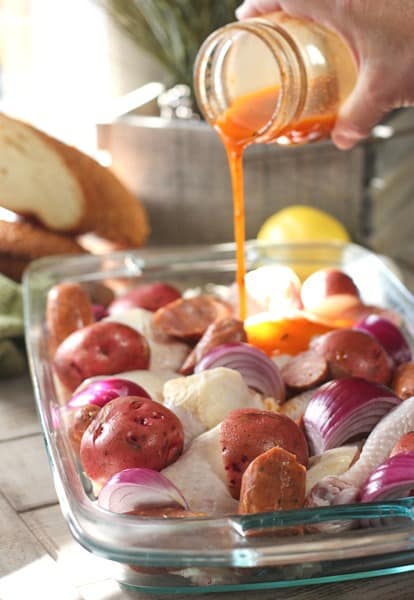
<point x="113" y="78"/>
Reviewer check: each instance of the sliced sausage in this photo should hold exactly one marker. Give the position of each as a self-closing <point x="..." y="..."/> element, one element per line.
<point x="220" y="332"/>
<point x="188" y="318"/>
<point x="68" y="308"/>
<point x="273" y="481"/>
<point x="403" y="381"/>
<point x="354" y="353"/>
<point x="304" y="371"/>
<point x="248" y="432"/>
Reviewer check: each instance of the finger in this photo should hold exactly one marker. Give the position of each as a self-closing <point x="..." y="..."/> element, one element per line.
<point x="252" y="8"/>
<point x="359" y="114"/>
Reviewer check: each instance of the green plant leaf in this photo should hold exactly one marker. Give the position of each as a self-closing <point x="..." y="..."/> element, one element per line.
<point x="172" y="31"/>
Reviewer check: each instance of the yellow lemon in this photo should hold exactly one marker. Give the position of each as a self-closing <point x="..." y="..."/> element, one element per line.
<point x="302" y="224"/>
<point x="299" y="223"/>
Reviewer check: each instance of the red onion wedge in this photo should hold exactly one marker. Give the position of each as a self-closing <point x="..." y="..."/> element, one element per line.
<point x="388" y="335"/>
<point x="132" y="489"/>
<point x="99" y="312"/>
<point x="102" y="391"/>
<point x="343" y="409"/>
<point x="258" y="370"/>
<point x="393" y="479"/>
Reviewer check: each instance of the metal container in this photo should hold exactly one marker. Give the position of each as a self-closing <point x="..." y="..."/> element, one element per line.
<point x="178" y="169"/>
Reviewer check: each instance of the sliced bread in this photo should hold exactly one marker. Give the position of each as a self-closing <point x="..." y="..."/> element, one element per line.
<point x="63" y="188"/>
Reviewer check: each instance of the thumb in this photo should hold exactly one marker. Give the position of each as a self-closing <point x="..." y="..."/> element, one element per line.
<point x="360" y="113"/>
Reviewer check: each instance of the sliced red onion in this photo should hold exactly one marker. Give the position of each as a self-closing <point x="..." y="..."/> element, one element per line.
<point x="100" y="392"/>
<point x="99" y="312"/>
<point x="388" y="335"/>
<point x="258" y="370"/>
<point x="343" y="409"/>
<point x="131" y="489"/>
<point x="393" y="479"/>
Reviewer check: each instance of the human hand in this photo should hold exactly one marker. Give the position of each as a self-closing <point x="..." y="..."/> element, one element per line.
<point x="380" y="34"/>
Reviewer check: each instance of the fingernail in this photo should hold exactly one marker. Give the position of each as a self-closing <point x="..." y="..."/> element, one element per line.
<point x="240" y="11"/>
<point x="342" y="141"/>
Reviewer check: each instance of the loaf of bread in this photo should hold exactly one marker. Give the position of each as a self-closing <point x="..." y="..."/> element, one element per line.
<point x="20" y="243"/>
<point x="64" y="189"/>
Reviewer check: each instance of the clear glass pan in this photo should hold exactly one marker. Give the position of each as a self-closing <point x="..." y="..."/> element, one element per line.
<point x="230" y="553"/>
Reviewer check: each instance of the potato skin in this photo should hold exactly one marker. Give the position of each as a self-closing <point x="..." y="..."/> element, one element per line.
<point x="150" y="296"/>
<point x="324" y="283"/>
<point x="130" y="432"/>
<point x="248" y="432"/>
<point x="103" y="348"/>
<point x="354" y="353"/>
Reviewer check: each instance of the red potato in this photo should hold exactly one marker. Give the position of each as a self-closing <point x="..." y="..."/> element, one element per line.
<point x="103" y="348"/>
<point x="248" y="432"/>
<point x="130" y="432"/>
<point x="188" y="318"/>
<point x="274" y="480"/>
<point x="354" y="353"/>
<point x="328" y="292"/>
<point x="403" y="381"/>
<point x="150" y="296"/>
<point x="404" y="444"/>
<point x="354" y="314"/>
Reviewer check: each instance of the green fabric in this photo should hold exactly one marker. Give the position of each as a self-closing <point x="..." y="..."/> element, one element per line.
<point x="12" y="357"/>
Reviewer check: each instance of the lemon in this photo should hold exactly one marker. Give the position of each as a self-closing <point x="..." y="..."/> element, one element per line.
<point x="299" y="223"/>
<point x="302" y="224"/>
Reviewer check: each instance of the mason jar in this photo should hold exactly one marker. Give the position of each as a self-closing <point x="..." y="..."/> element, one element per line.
<point x="273" y="79"/>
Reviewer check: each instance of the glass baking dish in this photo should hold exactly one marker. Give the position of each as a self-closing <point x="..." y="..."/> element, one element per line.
<point x="232" y="552"/>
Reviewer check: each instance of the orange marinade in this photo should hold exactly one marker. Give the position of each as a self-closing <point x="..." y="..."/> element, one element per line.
<point x="237" y="127"/>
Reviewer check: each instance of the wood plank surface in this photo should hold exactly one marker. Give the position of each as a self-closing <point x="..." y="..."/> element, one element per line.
<point x="25" y="478"/>
<point x="17" y="409"/>
<point x="26" y="569"/>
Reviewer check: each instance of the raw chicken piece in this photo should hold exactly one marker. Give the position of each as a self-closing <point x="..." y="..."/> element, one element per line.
<point x="166" y="353"/>
<point x="378" y="446"/>
<point x="200" y="476"/>
<point x="203" y="400"/>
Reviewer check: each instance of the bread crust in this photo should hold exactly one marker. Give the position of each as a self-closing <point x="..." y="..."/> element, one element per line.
<point x="26" y="241"/>
<point x="22" y="242"/>
<point x="108" y="209"/>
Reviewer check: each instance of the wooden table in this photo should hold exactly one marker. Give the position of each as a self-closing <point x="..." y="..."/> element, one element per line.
<point x="40" y="560"/>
